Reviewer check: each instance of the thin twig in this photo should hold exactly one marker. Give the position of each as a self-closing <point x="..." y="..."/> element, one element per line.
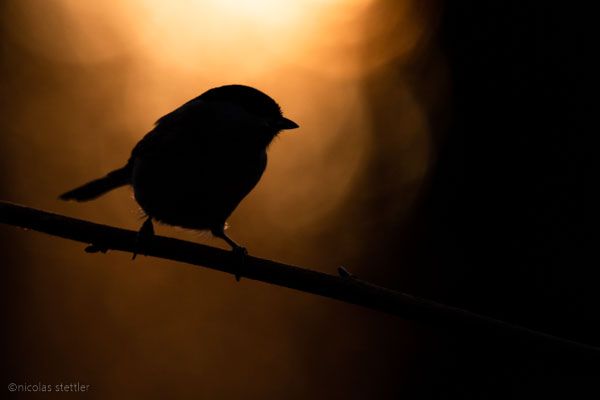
<point x="344" y="287"/>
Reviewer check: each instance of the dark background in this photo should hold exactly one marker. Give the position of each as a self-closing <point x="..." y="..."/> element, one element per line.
<point x="502" y="225"/>
<point x="510" y="206"/>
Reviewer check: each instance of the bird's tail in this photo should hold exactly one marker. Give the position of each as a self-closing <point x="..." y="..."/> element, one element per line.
<point x="98" y="187"/>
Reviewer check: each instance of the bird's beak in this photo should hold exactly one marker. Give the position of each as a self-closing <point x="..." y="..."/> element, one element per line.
<point x="284" y="123"/>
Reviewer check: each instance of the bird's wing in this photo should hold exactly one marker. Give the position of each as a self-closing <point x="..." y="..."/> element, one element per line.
<point x="187" y="110"/>
<point x="198" y="121"/>
<point x="208" y="115"/>
<point x="168" y="128"/>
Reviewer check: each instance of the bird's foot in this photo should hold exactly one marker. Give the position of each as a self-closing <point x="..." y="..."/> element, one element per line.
<point x="143" y="237"/>
<point x="240" y="253"/>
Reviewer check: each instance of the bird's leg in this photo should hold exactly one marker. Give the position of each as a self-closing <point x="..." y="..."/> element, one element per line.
<point x="237" y="250"/>
<point x="145" y="233"/>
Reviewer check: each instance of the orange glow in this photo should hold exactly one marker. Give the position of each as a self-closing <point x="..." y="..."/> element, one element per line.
<point x="87" y="79"/>
<point x="310" y="55"/>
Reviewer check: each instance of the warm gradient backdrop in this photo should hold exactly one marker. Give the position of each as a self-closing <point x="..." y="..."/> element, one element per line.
<point x="443" y="151"/>
<point x="86" y="80"/>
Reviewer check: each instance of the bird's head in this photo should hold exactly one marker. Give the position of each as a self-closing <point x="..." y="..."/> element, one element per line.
<point x="254" y="102"/>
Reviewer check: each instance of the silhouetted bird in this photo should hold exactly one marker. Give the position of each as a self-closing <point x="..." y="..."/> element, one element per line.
<point x="199" y="161"/>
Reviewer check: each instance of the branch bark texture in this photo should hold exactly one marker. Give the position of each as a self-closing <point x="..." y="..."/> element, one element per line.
<point x="344" y="288"/>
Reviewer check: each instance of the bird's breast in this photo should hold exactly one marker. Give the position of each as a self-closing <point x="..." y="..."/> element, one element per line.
<point x="196" y="188"/>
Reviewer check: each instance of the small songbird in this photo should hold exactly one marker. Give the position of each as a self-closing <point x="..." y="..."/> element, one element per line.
<point x="199" y="162"/>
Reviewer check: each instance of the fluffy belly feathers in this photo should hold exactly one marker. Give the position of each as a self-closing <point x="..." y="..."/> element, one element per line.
<point x="194" y="192"/>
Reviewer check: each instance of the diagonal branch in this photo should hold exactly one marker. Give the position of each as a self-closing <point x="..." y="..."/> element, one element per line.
<point x="345" y="287"/>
